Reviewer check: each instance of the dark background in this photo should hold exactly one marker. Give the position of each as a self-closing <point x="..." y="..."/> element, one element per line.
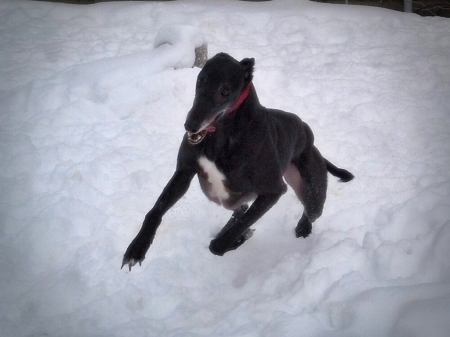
<point x="420" y="7"/>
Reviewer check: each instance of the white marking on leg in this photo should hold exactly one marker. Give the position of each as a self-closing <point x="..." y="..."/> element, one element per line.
<point x="215" y="178"/>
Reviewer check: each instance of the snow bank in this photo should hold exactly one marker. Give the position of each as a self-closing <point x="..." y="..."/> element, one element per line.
<point x="91" y="119"/>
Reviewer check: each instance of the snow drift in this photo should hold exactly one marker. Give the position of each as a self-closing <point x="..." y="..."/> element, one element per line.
<point x="91" y="117"/>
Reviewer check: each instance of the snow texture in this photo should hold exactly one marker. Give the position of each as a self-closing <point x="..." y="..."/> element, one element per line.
<point x="91" y="117"/>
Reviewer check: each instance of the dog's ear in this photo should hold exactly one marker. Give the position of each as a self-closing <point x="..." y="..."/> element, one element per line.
<point x="248" y="63"/>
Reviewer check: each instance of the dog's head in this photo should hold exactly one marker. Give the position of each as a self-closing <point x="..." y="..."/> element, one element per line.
<point x="219" y="86"/>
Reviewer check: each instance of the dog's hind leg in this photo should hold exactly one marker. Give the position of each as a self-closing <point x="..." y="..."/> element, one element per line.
<point x="307" y="175"/>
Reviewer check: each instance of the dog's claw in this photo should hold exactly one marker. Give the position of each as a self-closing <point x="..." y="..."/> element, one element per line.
<point x="240" y="240"/>
<point x="136" y="251"/>
<point x="248" y="234"/>
<point x="130" y="263"/>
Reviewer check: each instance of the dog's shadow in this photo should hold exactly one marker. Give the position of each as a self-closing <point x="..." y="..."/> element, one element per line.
<point x="289" y="260"/>
<point x="273" y="249"/>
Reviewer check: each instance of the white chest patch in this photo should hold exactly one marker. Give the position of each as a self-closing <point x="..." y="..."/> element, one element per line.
<point x="215" y="178"/>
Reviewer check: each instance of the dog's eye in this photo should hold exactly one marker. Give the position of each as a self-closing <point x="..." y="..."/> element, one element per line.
<point x="225" y="92"/>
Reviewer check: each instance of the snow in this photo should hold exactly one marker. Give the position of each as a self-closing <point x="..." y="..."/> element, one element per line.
<point x="91" y="119"/>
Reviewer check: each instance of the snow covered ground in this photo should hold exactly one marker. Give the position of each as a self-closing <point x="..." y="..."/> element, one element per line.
<point x="91" y="117"/>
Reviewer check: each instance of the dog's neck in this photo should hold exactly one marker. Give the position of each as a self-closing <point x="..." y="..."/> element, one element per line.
<point x="241" y="99"/>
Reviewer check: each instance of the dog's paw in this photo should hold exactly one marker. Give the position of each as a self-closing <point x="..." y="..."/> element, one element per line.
<point x="135" y="252"/>
<point x="218" y="248"/>
<point x="302" y="232"/>
<point x="303" y="228"/>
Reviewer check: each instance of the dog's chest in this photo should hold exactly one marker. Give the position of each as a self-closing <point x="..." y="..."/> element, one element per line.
<point x="212" y="181"/>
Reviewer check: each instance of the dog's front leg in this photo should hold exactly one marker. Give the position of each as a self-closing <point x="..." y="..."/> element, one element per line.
<point x="224" y="242"/>
<point x="174" y="190"/>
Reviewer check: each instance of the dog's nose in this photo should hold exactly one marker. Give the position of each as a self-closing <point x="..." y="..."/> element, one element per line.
<point x="192" y="124"/>
<point x="189" y="127"/>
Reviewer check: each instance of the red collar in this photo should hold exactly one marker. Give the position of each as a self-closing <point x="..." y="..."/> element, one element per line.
<point x="241" y="99"/>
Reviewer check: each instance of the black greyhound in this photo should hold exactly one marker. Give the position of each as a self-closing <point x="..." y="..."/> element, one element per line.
<point x="240" y="151"/>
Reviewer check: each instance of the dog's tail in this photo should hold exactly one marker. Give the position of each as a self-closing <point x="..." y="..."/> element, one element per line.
<point x="338" y="172"/>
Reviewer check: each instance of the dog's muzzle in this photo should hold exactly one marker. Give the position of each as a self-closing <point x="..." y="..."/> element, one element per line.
<point x="196" y="137"/>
